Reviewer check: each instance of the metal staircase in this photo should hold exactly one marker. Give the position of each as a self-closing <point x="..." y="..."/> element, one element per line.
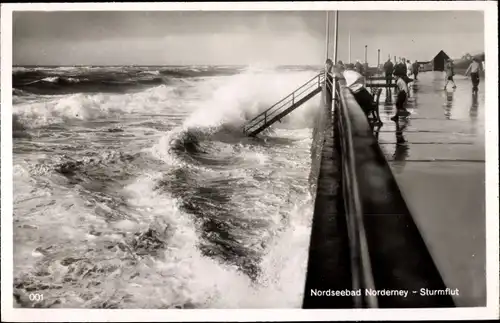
<point x="286" y="105"/>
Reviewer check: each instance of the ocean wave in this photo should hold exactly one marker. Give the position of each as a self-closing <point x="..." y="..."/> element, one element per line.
<point x="151" y="72"/>
<point x="226" y="102"/>
<point x="237" y="99"/>
<point x="19" y="92"/>
<point x="68" y="166"/>
<point x="194" y="215"/>
<point x="67" y="85"/>
<point x="90" y="106"/>
<point x="103" y="79"/>
<point x="224" y="107"/>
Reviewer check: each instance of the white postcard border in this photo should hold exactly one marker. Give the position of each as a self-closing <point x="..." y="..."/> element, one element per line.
<point x="66" y="315"/>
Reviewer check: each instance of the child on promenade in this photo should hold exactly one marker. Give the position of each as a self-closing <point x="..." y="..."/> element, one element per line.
<point x="402" y="97"/>
<point x="450" y="72"/>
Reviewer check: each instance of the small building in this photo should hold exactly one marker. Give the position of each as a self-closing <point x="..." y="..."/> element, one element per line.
<point x="424" y="66"/>
<point x="439" y="61"/>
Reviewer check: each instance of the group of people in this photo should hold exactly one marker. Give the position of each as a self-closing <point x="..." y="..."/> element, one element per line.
<point x="355" y="81"/>
<point x="473" y="70"/>
<point x="400" y="72"/>
<point x="404" y="68"/>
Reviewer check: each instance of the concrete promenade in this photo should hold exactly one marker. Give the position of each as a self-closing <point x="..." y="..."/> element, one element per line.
<point x="438" y="158"/>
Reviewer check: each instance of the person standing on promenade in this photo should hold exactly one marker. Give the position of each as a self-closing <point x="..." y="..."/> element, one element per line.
<point x="356" y="84"/>
<point x="450" y="72"/>
<point x="402" y="98"/>
<point x="329" y="76"/>
<point x="388" y="70"/>
<point x="415" y="69"/>
<point x="409" y="72"/>
<point x="403" y="67"/>
<point x="359" y="67"/>
<point x="409" y="68"/>
<point x="397" y="68"/>
<point x="401" y="70"/>
<point x="474" y="69"/>
<point x="329" y="65"/>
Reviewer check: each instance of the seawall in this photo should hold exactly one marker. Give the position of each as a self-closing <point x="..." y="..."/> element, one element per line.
<point x="329" y="265"/>
<point x="363" y="235"/>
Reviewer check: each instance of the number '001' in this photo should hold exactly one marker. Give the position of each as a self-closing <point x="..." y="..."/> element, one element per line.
<point x="36" y="297"/>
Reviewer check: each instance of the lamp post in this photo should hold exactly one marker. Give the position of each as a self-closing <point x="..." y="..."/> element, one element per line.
<point x="336" y="37"/>
<point x="378" y="59"/>
<point x="327" y="32"/>
<point x="366" y="50"/>
<point x="349" y="47"/>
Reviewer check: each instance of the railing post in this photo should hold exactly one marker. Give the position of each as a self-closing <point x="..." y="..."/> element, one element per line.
<point x="334" y="95"/>
<point x="293" y="98"/>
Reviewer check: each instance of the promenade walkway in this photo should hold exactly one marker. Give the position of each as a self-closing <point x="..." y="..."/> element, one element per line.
<point x="438" y="159"/>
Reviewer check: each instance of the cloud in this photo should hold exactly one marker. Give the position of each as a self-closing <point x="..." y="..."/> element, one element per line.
<point x="282" y="37"/>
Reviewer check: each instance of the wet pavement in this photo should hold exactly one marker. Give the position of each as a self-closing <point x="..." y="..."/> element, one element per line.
<point x="438" y="158"/>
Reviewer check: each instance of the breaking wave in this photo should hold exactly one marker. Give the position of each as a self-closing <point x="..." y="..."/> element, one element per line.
<point x="155" y="199"/>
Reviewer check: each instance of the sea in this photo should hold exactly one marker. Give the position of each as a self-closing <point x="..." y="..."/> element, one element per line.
<point x="135" y="187"/>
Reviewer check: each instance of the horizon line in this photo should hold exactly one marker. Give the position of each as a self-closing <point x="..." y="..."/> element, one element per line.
<point x="154" y="65"/>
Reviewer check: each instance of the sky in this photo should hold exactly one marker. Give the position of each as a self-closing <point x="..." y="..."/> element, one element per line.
<point x="238" y="37"/>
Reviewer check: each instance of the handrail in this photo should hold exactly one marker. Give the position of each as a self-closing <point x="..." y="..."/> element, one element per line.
<point x="360" y="259"/>
<point x="261" y="114"/>
<point x="287" y="97"/>
<point x="292" y="97"/>
<point x="360" y="237"/>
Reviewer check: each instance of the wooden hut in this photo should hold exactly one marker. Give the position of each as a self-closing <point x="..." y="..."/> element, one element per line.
<point x="439" y="61"/>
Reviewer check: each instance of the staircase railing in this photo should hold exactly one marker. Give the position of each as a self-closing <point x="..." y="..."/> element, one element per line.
<point x="284" y="104"/>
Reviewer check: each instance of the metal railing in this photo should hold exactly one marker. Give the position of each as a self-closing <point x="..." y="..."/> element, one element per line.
<point x="285" y="103"/>
<point x="374" y="236"/>
<point x="362" y="276"/>
<point x="374" y="82"/>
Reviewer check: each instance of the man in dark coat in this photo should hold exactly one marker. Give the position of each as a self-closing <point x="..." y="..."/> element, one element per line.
<point x="402" y="71"/>
<point x="415" y="68"/>
<point x="388" y="71"/>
